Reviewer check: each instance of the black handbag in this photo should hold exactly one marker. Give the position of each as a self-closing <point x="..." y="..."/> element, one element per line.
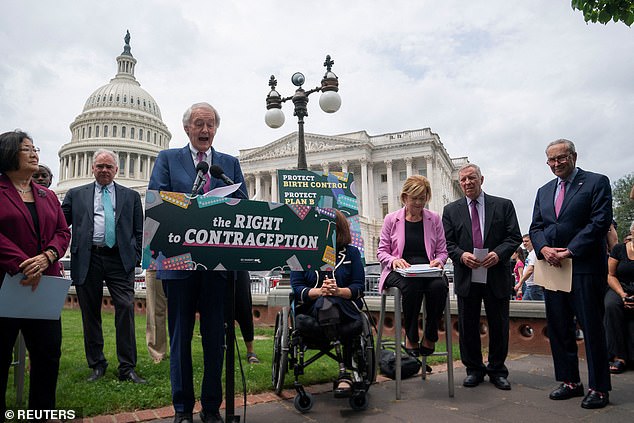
<point x="387" y="365"/>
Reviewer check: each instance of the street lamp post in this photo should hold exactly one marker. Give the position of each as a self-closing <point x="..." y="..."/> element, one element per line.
<point x="330" y="101"/>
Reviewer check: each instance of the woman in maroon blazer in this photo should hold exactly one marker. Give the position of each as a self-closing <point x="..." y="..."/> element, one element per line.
<point x="415" y="235"/>
<point x="33" y="235"/>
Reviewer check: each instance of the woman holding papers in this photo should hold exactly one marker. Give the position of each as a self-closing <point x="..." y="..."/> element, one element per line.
<point x="33" y="235"/>
<point x="411" y="236"/>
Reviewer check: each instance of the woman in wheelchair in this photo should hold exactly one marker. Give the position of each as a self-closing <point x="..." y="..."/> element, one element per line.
<point x="329" y="309"/>
<point x="415" y="235"/>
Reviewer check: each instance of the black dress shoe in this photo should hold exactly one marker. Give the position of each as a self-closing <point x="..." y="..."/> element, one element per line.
<point x="595" y="399"/>
<point x="97" y="373"/>
<point x="500" y="382"/>
<point x="471" y="381"/>
<point x="214" y="417"/>
<point x="183" y="418"/>
<point x="132" y="377"/>
<point x="565" y="392"/>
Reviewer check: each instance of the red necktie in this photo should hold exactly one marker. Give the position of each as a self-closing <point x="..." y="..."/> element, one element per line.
<point x="200" y="156"/>
<point x="560" y="198"/>
<point x="476" y="232"/>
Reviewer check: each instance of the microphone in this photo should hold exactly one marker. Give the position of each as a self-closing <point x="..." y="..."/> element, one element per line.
<point x="201" y="170"/>
<point x="217" y="172"/>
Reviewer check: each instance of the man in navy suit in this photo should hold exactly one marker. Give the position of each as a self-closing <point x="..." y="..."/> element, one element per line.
<point x="197" y="290"/>
<point x="99" y="254"/>
<point x="482" y="221"/>
<point x="571" y="218"/>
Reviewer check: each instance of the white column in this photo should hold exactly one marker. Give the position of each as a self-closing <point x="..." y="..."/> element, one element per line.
<point x="409" y="162"/>
<point x="371" y="194"/>
<point x="127" y="165"/>
<point x="344" y="166"/>
<point x="325" y="167"/>
<point x="363" y="210"/>
<point x="390" y="187"/>
<point x="148" y="169"/>
<point x="274" y="186"/>
<point x="137" y="173"/>
<point x="258" y="186"/>
<point x="75" y="165"/>
<point x="430" y="176"/>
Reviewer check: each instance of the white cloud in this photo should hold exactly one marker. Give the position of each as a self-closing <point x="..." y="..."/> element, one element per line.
<point x="497" y="80"/>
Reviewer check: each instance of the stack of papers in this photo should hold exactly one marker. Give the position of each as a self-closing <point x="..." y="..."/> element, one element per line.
<point x="420" y="271"/>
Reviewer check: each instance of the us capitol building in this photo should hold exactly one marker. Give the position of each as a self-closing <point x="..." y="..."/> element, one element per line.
<point x="120" y="116"/>
<point x="123" y="117"/>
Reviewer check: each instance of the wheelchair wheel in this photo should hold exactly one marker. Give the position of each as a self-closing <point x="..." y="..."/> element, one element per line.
<point x="370" y="353"/>
<point x="359" y="402"/>
<point x="280" y="350"/>
<point x="303" y="403"/>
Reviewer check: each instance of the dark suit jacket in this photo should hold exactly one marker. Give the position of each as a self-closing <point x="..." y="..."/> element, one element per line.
<point x="583" y="222"/>
<point x="501" y="235"/>
<point x="78" y="206"/>
<point x="18" y="239"/>
<point x="174" y="171"/>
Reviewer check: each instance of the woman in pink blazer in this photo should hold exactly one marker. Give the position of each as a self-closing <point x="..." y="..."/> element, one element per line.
<point x="415" y="235"/>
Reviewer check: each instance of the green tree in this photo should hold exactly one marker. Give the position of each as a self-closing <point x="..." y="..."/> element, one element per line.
<point x="604" y="11"/>
<point x="622" y="205"/>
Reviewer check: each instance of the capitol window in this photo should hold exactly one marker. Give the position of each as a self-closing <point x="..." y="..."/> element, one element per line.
<point x="96" y="131"/>
<point x="140" y="134"/>
<point x="114" y="131"/>
<point x="105" y="130"/>
<point x="131" y="133"/>
<point x="123" y="132"/>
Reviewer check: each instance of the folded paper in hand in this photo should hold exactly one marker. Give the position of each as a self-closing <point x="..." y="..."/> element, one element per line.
<point x="420" y="271"/>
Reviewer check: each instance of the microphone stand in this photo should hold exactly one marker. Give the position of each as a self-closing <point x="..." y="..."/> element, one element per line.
<point x="230" y="337"/>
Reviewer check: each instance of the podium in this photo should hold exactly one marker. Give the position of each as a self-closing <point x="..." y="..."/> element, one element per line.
<point x="184" y="233"/>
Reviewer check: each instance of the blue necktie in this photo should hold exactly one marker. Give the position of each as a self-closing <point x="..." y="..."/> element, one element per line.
<point x="108" y="213"/>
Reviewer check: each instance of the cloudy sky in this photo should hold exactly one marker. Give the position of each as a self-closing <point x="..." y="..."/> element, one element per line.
<point x="496" y="79"/>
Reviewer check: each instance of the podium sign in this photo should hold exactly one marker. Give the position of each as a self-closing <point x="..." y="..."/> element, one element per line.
<point x="216" y="233"/>
<point x="335" y="190"/>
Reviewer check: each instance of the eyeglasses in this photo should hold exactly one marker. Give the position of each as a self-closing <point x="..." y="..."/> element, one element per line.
<point x="559" y="159"/>
<point x="30" y="149"/>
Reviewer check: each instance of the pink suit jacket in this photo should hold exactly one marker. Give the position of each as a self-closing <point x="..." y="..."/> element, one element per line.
<point x="392" y="240"/>
<point x="18" y="239"/>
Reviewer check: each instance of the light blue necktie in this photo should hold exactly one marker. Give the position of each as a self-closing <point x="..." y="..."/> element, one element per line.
<point x="108" y="213"/>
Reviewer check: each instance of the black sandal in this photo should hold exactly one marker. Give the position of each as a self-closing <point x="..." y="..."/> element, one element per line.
<point x="426" y="350"/>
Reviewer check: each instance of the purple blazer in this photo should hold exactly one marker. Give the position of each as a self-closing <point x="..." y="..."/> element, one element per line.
<point x="18" y="240"/>
<point x="392" y="240"/>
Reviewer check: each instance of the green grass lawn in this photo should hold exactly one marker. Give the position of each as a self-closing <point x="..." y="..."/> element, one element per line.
<point x="109" y="395"/>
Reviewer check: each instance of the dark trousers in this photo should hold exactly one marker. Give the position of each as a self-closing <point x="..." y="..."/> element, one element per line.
<point x="243" y="312"/>
<point x="43" y="340"/>
<point x="619" y="327"/>
<point x="120" y="284"/>
<point x="497" y="312"/>
<point x="413" y="290"/>
<point x="202" y="292"/>
<point x="585" y="300"/>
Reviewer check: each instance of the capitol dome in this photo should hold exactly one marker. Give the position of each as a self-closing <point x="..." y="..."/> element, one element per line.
<point x="119" y="116"/>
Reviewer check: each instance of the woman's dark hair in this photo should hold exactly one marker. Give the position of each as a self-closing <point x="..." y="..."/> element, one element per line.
<point x="521" y="255"/>
<point x="10" y="143"/>
<point x="343" y="230"/>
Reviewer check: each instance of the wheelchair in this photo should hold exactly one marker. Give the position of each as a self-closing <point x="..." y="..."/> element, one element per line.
<point x="296" y="334"/>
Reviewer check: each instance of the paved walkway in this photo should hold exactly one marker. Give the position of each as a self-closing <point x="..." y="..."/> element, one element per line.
<point x="530" y="375"/>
